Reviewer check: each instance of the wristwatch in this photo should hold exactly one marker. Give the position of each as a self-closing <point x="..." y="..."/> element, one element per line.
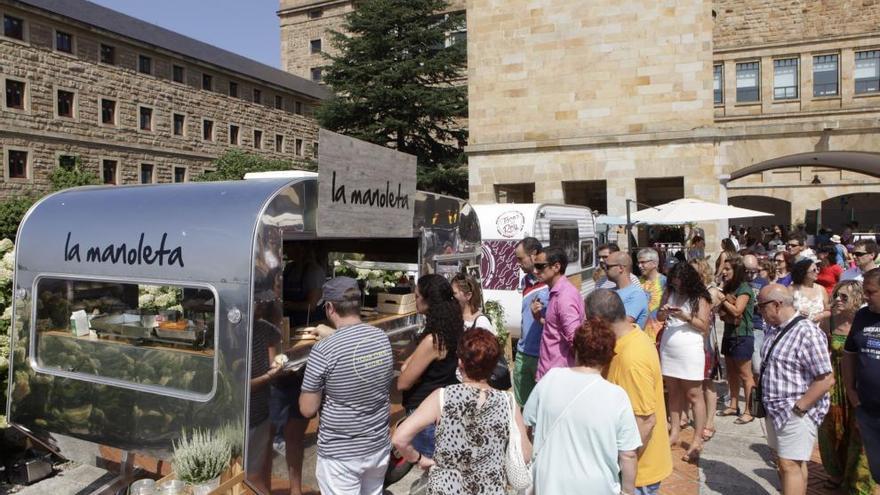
<point x="798" y="411"/>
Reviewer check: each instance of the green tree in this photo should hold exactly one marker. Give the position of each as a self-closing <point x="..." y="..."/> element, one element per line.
<point x="233" y="164"/>
<point x="398" y="83"/>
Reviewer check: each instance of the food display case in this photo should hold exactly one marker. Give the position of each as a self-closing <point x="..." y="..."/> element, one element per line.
<point x="138" y="310"/>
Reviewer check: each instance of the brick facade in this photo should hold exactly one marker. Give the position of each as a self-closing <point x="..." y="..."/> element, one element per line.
<point x="44" y="70"/>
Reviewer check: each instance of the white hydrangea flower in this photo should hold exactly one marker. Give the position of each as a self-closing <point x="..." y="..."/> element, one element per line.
<point x="146" y="300"/>
<point x="5" y="275"/>
<point x="8" y="260"/>
<point x="6" y="245"/>
<point x="7" y="313"/>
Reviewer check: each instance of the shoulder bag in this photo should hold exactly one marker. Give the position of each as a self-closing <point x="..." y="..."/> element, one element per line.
<point x="756" y="398"/>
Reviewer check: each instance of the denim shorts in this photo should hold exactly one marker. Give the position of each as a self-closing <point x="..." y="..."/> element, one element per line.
<point x="738" y="348"/>
<point x="648" y="489"/>
<point x="424" y="440"/>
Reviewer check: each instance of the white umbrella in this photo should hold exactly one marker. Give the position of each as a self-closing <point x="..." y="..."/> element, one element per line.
<point x="689" y="210"/>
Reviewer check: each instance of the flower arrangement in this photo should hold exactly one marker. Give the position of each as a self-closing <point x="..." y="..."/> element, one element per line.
<point x="373" y="280"/>
<point x="155" y="298"/>
<point x="7" y="266"/>
<point x="495" y="311"/>
<point x="201" y="457"/>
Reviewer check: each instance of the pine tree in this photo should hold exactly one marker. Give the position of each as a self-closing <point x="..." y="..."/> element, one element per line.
<point x="398" y="83"/>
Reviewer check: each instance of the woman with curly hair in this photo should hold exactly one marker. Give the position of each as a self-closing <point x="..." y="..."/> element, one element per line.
<point x="433" y="363"/>
<point x="713" y="355"/>
<point x="840" y="444"/>
<point x="738" y="343"/>
<point x="579" y="447"/>
<point x="810" y="298"/>
<point x="686" y="309"/>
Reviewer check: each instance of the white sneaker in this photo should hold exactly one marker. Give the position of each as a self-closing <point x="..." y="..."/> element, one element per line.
<point x="279" y="446"/>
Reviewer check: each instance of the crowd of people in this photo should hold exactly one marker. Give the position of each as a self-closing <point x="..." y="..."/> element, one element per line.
<point x="603" y="386"/>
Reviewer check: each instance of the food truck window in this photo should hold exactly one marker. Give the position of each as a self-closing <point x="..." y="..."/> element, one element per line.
<point x="565" y="235"/>
<point x="149" y="335"/>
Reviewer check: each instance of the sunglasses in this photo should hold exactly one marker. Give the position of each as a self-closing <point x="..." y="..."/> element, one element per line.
<point x="792" y="246"/>
<point x="612" y="266"/>
<point x="859" y="253"/>
<point x="541" y="266"/>
<point x="842" y="297"/>
<point x="762" y="304"/>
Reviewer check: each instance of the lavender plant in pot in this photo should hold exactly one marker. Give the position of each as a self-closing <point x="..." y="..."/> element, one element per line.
<point x="200" y="459"/>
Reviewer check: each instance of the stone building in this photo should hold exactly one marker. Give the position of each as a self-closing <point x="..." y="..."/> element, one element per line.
<point x="132" y="102"/>
<point x="759" y="102"/>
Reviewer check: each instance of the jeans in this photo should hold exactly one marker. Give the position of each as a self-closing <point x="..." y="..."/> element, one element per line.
<point x="424" y="440"/>
<point x="648" y="490"/>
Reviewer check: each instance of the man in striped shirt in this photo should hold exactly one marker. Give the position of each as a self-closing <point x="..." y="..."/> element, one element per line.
<point x="348" y="378"/>
<point x="796" y="377"/>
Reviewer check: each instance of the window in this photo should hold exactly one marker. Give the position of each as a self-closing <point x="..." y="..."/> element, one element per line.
<point x="15" y="94"/>
<point x="233" y="89"/>
<point x="108" y="54"/>
<point x="146" y="173"/>
<point x="108" y="171"/>
<point x="718" y="78"/>
<point x="63" y="42"/>
<point x="67" y="162"/>
<point x="785" y="79"/>
<point x="160" y="337"/>
<point x="233" y="134"/>
<point x="315" y="46"/>
<point x="315" y="149"/>
<point x="16" y="165"/>
<point x="258" y="139"/>
<point x="316" y="13"/>
<point x="279" y="102"/>
<point x="279" y="143"/>
<point x="748" y="82"/>
<point x="145" y="64"/>
<point x="565" y="235"/>
<point x="298" y="108"/>
<point x="587" y="250"/>
<point x="178" y="74"/>
<point x="13" y="27"/>
<point x="298" y="147"/>
<point x="208" y="130"/>
<point x="515" y="193"/>
<point x="590" y="193"/>
<point x="145" y="118"/>
<point x="65" y="103"/>
<point x="179" y="174"/>
<point x="108" y="112"/>
<point x="825" y="75"/>
<point x="316" y="74"/>
<point x="258" y="96"/>
<point x="867" y="74"/>
<point x="207" y="82"/>
<point x="179" y="124"/>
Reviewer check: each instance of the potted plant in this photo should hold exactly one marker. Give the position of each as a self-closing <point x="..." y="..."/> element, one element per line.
<point x="200" y="459"/>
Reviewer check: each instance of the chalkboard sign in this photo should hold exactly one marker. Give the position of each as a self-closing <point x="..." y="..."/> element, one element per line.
<point x="364" y="190"/>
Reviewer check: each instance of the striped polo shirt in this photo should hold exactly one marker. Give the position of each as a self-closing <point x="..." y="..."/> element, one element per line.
<point x="353" y="369"/>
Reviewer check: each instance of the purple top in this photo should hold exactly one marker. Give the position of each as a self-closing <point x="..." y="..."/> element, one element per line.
<point x="797" y="361"/>
<point x="565" y="314"/>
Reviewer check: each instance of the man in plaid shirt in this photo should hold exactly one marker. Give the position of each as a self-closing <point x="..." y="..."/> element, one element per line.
<point x="795" y="383"/>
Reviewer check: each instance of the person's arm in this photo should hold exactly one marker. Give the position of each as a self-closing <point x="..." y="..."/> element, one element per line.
<point x="737" y="308"/>
<point x="646" y="426"/>
<point x="524" y="435"/>
<point x="310" y="403"/>
<point x="814" y="353"/>
<point x="629" y="461"/>
<point x="700" y="321"/>
<point x="825" y="313"/>
<point x="663" y="312"/>
<point x="571" y="316"/>
<point x="820" y="386"/>
<point x="426" y="414"/>
<point x="416" y="364"/>
<point x="848" y="372"/>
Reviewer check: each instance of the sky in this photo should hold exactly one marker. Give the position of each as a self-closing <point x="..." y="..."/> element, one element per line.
<point x="246" y="27"/>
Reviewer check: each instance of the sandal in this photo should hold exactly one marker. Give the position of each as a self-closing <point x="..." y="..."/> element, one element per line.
<point x="708" y="433"/>
<point x="692" y="457"/>
<point x="741" y="421"/>
<point x="728" y="412"/>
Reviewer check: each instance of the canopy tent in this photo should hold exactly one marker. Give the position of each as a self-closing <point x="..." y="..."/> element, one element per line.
<point x="688" y="210"/>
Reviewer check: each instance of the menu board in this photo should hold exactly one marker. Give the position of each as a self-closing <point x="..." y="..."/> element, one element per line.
<point x="364" y="190"/>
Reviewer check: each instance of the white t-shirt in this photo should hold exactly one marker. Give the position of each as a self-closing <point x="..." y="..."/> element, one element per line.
<point x="482" y="321"/>
<point x="581" y="453"/>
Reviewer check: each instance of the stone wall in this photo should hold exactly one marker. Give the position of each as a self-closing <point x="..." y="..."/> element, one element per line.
<point x="741" y="23"/>
<point x="559" y="69"/>
<point x="45" y="135"/>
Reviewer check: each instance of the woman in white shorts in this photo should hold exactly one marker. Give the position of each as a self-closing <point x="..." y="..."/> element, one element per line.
<point x="685" y="308"/>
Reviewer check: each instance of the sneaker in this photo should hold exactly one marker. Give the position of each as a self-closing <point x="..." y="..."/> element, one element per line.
<point x="279" y="446"/>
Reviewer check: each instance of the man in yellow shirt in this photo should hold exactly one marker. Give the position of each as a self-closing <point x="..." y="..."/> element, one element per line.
<point x="636" y="368"/>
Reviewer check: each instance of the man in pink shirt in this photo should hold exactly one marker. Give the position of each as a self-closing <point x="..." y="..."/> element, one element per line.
<point x="565" y="312"/>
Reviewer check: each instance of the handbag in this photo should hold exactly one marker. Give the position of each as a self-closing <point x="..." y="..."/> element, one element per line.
<point x="517" y="470"/>
<point x="756" y="398"/>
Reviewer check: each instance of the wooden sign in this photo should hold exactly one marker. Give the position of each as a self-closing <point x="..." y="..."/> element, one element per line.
<point x="364" y="190"/>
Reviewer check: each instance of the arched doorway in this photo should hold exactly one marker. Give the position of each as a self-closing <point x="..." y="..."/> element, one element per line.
<point x="863" y="208"/>
<point x="780" y="208"/>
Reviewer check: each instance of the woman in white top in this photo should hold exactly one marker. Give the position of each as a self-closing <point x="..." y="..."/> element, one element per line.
<point x="685" y="308"/>
<point x="467" y="292"/>
<point x="810" y="298"/>
<point x="585" y="432"/>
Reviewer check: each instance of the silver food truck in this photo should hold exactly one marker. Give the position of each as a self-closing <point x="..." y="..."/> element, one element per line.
<point x="143" y="311"/>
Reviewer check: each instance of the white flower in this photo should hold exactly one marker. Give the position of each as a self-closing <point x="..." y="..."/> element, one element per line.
<point x="6" y="245"/>
<point x="165" y="300"/>
<point x="7" y="313"/>
<point x="5" y="275"/>
<point x="146" y="301"/>
<point x="8" y="260"/>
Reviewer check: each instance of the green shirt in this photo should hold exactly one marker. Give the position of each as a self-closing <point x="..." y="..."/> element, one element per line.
<point x="745" y="327"/>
